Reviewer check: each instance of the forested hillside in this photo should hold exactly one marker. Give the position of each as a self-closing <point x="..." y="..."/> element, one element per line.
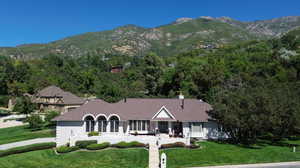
<point x="253" y="86"/>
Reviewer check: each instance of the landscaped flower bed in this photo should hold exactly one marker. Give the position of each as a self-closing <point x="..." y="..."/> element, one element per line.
<point x="92" y="145"/>
<point x="66" y="149"/>
<point x="179" y="145"/>
<point x="98" y="146"/>
<point x="84" y="144"/>
<point x="132" y="144"/>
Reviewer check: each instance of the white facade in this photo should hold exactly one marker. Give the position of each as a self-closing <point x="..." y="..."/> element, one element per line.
<point x="71" y="131"/>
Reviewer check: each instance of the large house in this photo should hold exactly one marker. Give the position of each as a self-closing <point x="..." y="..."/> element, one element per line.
<point x="54" y="98"/>
<point x="138" y="119"/>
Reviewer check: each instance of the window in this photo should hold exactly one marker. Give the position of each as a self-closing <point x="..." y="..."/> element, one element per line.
<point x="138" y="125"/>
<point x="196" y="127"/>
<point x="143" y="125"/>
<point x="114" y="124"/>
<point x="102" y="124"/>
<point x="89" y="124"/>
<point x="134" y="125"/>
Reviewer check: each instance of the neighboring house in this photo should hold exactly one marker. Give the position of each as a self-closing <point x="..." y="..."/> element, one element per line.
<point x="54" y="98"/>
<point x="178" y="118"/>
<point x="116" y="69"/>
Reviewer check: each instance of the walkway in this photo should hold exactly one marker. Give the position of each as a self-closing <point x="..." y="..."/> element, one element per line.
<point x="27" y="142"/>
<point x="265" y="165"/>
<point x="153" y="156"/>
<point x="11" y="123"/>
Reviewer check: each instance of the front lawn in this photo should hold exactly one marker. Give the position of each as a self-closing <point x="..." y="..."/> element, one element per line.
<point x="110" y="158"/>
<point x="213" y="153"/>
<point x="20" y="133"/>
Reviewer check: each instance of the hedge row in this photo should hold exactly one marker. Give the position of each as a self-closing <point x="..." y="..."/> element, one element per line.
<point x="132" y="144"/>
<point x="84" y="144"/>
<point x="66" y="149"/>
<point x="92" y="145"/>
<point x="98" y="146"/>
<point x="178" y="145"/>
<point x="28" y="148"/>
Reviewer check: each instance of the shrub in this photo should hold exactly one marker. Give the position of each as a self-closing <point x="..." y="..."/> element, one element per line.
<point x="4" y="100"/>
<point x="173" y="145"/>
<point x="98" y="146"/>
<point x="193" y="146"/>
<point x="28" y="148"/>
<point x="35" y="122"/>
<point x="84" y="144"/>
<point x="93" y="133"/>
<point x="193" y="140"/>
<point x="66" y="149"/>
<point x="24" y="106"/>
<point x="4" y="112"/>
<point x="49" y="116"/>
<point x="129" y="144"/>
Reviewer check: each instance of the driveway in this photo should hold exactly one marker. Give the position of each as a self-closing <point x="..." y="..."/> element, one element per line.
<point x="11" y="123"/>
<point x="267" y="165"/>
<point x="27" y="142"/>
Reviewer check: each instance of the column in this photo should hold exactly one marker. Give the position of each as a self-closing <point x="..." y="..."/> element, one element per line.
<point x="96" y="128"/>
<point x="108" y="127"/>
<point x="170" y="127"/>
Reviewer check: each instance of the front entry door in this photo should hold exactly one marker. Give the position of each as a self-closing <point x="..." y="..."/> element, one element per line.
<point x="163" y="127"/>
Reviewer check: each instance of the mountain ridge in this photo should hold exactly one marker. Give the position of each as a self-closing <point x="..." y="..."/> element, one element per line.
<point x="181" y="35"/>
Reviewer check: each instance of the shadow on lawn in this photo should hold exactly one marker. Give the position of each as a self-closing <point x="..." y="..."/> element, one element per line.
<point x="261" y="143"/>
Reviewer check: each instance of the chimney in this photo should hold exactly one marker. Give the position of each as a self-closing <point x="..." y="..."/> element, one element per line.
<point x="181" y="97"/>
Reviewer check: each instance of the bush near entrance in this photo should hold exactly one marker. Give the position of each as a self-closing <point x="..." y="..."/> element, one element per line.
<point x="84" y="144"/>
<point x="66" y="149"/>
<point x="98" y="146"/>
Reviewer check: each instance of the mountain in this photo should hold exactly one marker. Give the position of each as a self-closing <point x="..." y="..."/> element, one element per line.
<point x="182" y="35"/>
<point x="274" y="27"/>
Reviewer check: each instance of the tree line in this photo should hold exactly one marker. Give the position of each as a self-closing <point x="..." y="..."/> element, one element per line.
<point x="252" y="86"/>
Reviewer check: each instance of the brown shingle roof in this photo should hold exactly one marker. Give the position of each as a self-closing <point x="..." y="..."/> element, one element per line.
<point x="141" y="109"/>
<point x="54" y="91"/>
<point x="50" y="91"/>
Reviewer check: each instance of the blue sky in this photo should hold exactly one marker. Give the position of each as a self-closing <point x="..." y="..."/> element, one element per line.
<point x="41" y="21"/>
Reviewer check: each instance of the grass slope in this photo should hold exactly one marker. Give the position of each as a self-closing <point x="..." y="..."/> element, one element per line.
<point x="20" y="133"/>
<point x="225" y="154"/>
<point x="111" y="158"/>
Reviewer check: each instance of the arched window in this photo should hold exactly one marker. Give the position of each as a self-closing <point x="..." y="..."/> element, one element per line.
<point x="114" y="124"/>
<point x="89" y="124"/>
<point x="102" y="123"/>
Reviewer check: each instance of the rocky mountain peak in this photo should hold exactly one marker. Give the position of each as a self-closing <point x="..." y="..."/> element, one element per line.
<point x="207" y="17"/>
<point x="182" y="20"/>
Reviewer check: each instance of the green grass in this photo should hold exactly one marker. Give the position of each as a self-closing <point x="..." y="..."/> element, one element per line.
<point x="110" y="158"/>
<point x="20" y="133"/>
<point x="213" y="153"/>
<point x="27" y="148"/>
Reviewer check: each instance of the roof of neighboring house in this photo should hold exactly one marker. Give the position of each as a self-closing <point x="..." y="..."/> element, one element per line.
<point x="54" y="91"/>
<point x="141" y="109"/>
<point x="50" y="91"/>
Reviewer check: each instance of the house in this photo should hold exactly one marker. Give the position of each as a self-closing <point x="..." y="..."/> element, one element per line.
<point x="54" y="98"/>
<point x="116" y="69"/>
<point x="138" y="119"/>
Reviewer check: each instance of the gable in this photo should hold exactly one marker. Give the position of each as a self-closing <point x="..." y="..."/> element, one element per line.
<point x="163" y="113"/>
